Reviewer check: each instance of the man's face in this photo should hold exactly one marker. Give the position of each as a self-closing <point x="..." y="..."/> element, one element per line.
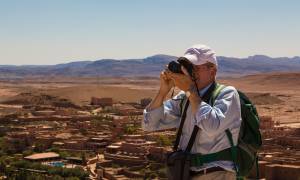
<point x="204" y="73"/>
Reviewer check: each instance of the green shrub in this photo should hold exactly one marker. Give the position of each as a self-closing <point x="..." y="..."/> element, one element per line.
<point x="53" y="171"/>
<point x="130" y="129"/>
<point x="162" y="173"/>
<point x="163" y="140"/>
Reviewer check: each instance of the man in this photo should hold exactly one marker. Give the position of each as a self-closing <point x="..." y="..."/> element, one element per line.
<point x="211" y="120"/>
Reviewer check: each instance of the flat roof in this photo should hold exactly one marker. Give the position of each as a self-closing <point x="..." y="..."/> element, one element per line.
<point x="112" y="146"/>
<point x="39" y="156"/>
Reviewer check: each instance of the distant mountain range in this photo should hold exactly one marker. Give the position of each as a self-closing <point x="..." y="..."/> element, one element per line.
<point x="150" y="66"/>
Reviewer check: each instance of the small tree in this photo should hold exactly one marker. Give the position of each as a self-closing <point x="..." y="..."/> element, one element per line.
<point x="39" y="147"/>
<point x="163" y="140"/>
<point x="130" y="129"/>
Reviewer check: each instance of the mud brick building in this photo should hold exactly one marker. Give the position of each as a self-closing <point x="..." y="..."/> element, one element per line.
<point x="102" y="101"/>
<point x="130" y="152"/>
<point x="97" y="143"/>
<point x="128" y="110"/>
<point x="266" y="122"/>
<point x="43" y="156"/>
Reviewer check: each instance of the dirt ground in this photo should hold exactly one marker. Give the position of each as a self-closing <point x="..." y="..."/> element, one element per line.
<point x="274" y="94"/>
<point x="284" y="87"/>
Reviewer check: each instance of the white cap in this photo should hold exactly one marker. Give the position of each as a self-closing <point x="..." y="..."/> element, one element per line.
<point x="200" y="54"/>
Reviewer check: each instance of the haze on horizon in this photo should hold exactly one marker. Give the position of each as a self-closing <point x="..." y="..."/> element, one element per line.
<point x="54" y="32"/>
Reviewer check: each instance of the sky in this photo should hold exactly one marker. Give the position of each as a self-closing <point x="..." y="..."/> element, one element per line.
<point x="60" y="31"/>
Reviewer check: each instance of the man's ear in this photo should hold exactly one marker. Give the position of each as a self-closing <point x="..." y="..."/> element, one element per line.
<point x="213" y="72"/>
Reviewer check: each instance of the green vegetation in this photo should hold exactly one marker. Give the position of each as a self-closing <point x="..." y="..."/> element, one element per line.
<point x="112" y="110"/>
<point x="162" y="172"/>
<point x="27" y="153"/>
<point x="103" y="118"/>
<point x="2" y="133"/>
<point x="15" y="169"/>
<point x="96" y="123"/>
<point x="25" y="175"/>
<point x="2" y="144"/>
<point x="152" y="171"/>
<point x="115" y="165"/>
<point x="51" y="171"/>
<point x="39" y="147"/>
<point x="164" y="140"/>
<point x="54" y="149"/>
<point x="153" y="175"/>
<point x="133" y="117"/>
<point x="130" y="129"/>
<point x="83" y="131"/>
<point x="63" y="154"/>
<point x="5" y="148"/>
<point x="13" y="147"/>
<point x="99" y="120"/>
<point x="83" y="157"/>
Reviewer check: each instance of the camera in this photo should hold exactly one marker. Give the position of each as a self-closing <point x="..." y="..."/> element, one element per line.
<point x="175" y="67"/>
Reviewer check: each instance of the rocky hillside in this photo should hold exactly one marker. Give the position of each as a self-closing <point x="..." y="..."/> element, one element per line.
<point x="150" y="66"/>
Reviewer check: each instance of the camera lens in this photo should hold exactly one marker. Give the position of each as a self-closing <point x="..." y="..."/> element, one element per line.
<point x="175" y="67"/>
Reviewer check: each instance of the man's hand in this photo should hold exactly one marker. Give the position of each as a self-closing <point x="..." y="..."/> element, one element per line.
<point x="182" y="81"/>
<point x="185" y="83"/>
<point x="166" y="83"/>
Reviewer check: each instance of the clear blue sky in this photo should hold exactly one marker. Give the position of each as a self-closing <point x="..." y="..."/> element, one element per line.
<point x="60" y="31"/>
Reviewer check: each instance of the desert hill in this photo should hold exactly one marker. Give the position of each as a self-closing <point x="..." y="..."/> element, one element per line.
<point x="150" y="66"/>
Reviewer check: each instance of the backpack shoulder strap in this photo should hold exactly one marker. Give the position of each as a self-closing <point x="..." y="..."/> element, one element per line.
<point x="216" y="93"/>
<point x="233" y="150"/>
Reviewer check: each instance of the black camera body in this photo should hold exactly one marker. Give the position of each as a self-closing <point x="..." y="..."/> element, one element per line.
<point x="175" y="67"/>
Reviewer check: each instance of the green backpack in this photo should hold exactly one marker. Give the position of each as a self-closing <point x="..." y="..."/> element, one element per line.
<point x="244" y="155"/>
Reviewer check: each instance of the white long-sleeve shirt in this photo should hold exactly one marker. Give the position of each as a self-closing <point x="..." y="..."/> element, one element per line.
<point x="213" y="121"/>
